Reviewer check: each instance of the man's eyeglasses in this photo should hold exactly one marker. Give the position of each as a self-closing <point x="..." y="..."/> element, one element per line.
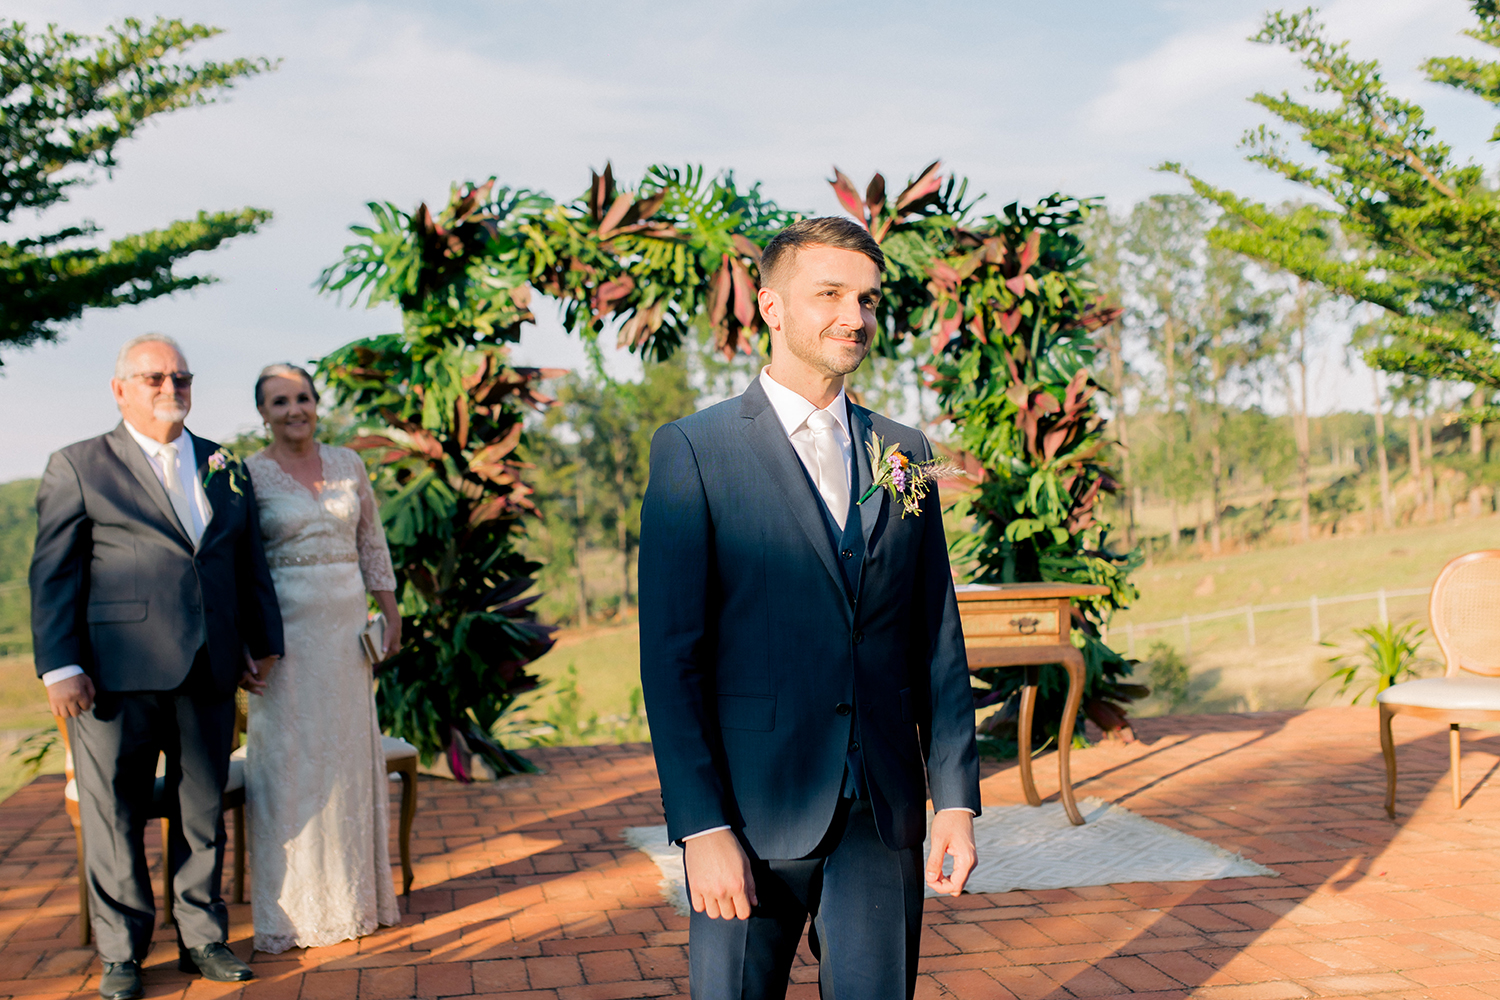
<point x="155" y="379"/>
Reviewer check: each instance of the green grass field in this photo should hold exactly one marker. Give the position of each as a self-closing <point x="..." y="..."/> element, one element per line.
<point x="1285" y="664"/>
<point x="1226" y="674"/>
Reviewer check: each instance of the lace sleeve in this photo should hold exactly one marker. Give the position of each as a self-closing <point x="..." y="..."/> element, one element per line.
<point x="369" y="534"/>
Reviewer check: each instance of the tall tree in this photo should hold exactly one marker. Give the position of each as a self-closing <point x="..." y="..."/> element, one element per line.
<point x="1105" y="236"/>
<point x="1422" y="225"/>
<point x="68" y="100"/>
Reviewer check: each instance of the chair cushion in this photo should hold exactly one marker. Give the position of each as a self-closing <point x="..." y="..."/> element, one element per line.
<point x="236" y="771"/>
<point x="1464" y="692"/>
<point x="396" y="748"/>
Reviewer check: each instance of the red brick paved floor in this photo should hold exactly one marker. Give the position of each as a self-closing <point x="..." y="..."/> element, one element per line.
<point x="526" y="891"/>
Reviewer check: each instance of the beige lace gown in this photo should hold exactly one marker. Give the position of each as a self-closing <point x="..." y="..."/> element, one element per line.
<point x="315" y="781"/>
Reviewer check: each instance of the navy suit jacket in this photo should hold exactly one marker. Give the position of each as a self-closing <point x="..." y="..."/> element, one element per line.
<point x="758" y="665"/>
<point x="117" y="587"/>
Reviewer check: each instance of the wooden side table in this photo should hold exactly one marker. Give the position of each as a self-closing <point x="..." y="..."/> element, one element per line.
<point x="1027" y="625"/>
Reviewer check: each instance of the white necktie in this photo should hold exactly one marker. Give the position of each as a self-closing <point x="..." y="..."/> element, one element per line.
<point x="171" y="476"/>
<point x="832" y="476"/>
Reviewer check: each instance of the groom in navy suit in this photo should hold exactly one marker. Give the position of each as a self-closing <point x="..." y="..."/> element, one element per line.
<point x="801" y="657"/>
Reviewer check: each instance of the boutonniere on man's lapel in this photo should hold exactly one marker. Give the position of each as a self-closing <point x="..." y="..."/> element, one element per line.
<point x="907" y="480"/>
<point x="223" y="461"/>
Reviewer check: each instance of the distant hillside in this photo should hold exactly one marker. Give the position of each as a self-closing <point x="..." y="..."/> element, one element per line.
<point x="17" y="535"/>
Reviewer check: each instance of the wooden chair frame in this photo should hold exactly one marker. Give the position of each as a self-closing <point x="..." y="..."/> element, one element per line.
<point x="1453" y="664"/>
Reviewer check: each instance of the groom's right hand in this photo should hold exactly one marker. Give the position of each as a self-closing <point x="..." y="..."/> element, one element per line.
<point x="718" y="873"/>
<point x="72" y="697"/>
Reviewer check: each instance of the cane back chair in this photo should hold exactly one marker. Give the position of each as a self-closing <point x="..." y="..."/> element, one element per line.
<point x="1464" y="611"/>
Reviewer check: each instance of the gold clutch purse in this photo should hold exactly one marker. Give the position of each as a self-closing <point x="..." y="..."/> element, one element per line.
<point x="372" y="638"/>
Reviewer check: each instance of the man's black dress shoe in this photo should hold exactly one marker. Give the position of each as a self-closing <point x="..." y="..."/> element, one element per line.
<point x="121" y="981"/>
<point x="215" y="961"/>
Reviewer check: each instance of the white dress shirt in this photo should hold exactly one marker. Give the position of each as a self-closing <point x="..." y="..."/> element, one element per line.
<point x="793" y="410"/>
<point x="192" y="488"/>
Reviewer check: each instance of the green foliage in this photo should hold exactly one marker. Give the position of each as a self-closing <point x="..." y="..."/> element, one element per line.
<point x="17" y="535"/>
<point x="443" y="413"/>
<point x="1168" y="673"/>
<point x="564" y="723"/>
<point x="1012" y="322"/>
<point x="1411" y="230"/>
<point x="68" y="100"/>
<point x="682" y="246"/>
<point x="1390" y="653"/>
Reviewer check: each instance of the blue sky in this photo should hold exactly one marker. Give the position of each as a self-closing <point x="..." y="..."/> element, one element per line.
<point x="393" y="101"/>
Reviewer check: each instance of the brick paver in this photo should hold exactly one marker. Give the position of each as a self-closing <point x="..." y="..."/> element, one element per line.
<point x="525" y="889"/>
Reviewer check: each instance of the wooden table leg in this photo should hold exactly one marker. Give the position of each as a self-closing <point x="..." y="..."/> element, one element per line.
<point x="1023" y="734"/>
<point x="1074" y="665"/>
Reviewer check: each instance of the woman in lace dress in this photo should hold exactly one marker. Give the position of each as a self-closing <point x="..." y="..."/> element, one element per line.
<point x="315" y="778"/>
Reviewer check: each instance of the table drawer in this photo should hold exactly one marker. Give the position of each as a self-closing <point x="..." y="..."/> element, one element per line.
<point x="994" y="623"/>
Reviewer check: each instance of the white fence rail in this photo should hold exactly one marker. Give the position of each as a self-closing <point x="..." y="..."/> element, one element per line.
<point x="1249" y="611"/>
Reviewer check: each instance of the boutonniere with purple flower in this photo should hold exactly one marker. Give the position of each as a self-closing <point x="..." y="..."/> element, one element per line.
<point x="908" y="481"/>
<point x="223" y="461"/>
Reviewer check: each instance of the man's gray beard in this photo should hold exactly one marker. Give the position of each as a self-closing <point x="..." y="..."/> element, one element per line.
<point x="171" y="413"/>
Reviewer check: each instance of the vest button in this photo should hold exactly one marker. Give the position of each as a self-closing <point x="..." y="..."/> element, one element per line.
<point x="847" y="553"/>
<point x="842" y="708"/>
<point x="854" y="747"/>
<point x="859" y="637"/>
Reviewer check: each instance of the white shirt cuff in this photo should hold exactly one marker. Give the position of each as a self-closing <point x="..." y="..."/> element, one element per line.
<point x="703" y="833"/>
<point x="957" y="809"/>
<point x="51" y="677"/>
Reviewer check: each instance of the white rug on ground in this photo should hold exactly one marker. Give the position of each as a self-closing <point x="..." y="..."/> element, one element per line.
<point x="1021" y="847"/>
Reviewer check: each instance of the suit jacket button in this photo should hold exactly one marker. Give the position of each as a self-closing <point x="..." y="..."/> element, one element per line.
<point x="842" y="708"/>
<point x="847" y="553"/>
<point x="859" y="637"/>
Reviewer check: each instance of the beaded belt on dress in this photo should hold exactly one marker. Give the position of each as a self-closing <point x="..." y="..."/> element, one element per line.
<point x="321" y="559"/>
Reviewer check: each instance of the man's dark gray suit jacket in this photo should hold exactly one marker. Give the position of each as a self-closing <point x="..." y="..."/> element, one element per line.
<point x="760" y="664"/>
<point x="116" y="586"/>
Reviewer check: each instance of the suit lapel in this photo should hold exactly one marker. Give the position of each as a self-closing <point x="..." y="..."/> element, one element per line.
<point x="213" y="489"/>
<point x="864" y="433"/>
<point x="127" y="451"/>
<point x="769" y="442"/>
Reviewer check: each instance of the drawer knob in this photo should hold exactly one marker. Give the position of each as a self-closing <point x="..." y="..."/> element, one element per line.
<point x="1026" y="626"/>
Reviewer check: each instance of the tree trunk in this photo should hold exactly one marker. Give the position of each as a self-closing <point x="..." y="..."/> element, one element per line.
<point x="1430" y="477"/>
<point x="1414" y="461"/>
<point x="578" y="546"/>
<point x="1387" y="510"/>
<point x="1216" y="458"/>
<point x="1169" y="359"/>
<point x="622" y="523"/>
<point x="1476" y="451"/>
<point x="1299" y="417"/>
<point x="1116" y="350"/>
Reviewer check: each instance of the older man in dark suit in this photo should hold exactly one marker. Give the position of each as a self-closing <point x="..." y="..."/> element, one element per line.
<point x="801" y="656"/>
<point x="149" y="590"/>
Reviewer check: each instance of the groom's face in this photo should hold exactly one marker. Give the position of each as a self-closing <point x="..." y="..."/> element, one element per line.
<point x="822" y="313"/>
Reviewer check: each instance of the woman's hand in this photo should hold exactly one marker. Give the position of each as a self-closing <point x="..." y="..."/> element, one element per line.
<point x="387" y="601"/>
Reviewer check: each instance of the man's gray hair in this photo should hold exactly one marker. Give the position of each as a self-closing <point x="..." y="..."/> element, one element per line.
<point x="123" y="369"/>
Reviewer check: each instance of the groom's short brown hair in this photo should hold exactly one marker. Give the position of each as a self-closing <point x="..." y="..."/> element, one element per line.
<point x="827" y="231"/>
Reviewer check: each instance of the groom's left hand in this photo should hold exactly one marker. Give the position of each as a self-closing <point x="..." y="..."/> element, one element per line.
<point x="952" y="833"/>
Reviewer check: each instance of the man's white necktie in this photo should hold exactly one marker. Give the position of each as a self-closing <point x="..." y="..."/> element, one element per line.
<point x="171" y="476"/>
<point x="832" y="476"/>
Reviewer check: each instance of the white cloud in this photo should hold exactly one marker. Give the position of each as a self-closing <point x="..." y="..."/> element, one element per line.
<point x="393" y="101"/>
